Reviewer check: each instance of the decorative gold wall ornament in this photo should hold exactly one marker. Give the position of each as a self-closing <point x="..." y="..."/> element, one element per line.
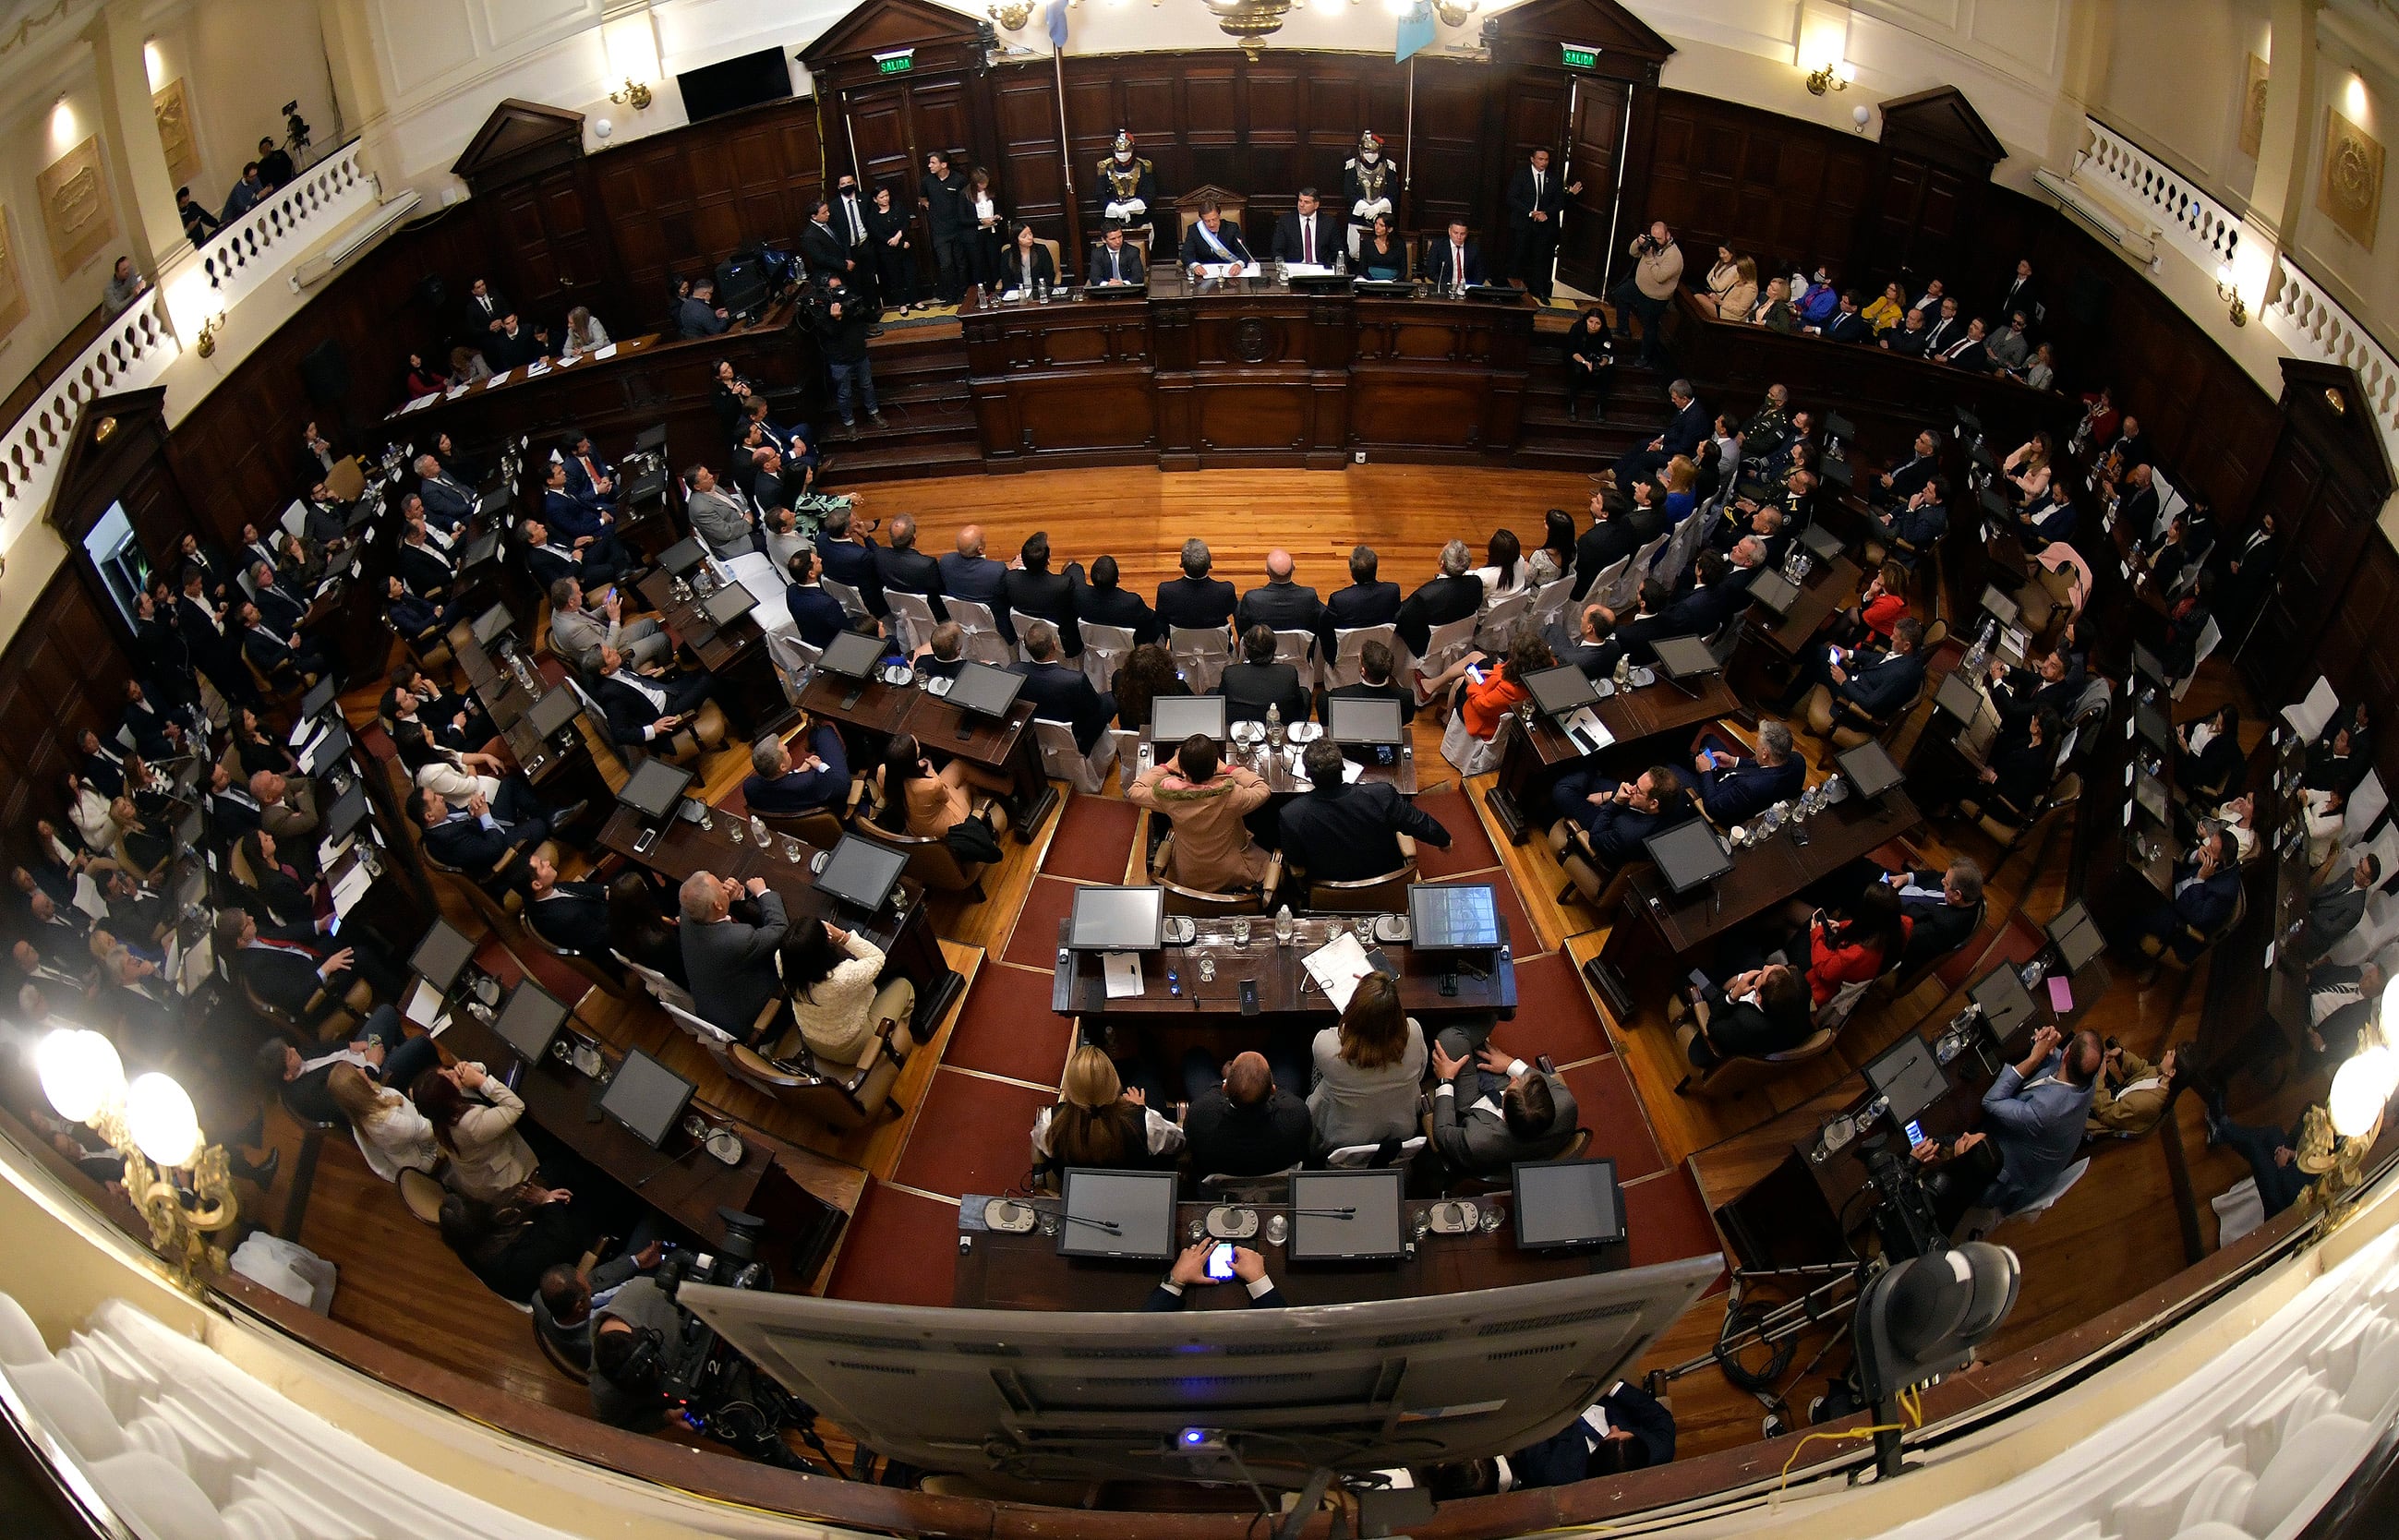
<point x="76" y="209"/>
<point x="2253" y="108"/>
<point x="173" y="108"/>
<point x="2350" y="191"/>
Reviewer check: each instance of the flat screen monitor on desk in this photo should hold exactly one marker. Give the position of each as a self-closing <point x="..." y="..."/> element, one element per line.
<point x="1685" y="657"/>
<point x="491" y="623"/>
<point x="727" y="605"/>
<point x="1689" y="855"/>
<point x="1869" y="768"/>
<point x="1345" y="1216"/>
<point x="1773" y="590"/>
<point x="2154" y="726"/>
<point x="2000" y="606"/>
<point x="530" y="1020"/>
<point x="1174" y="717"/>
<point x="2150" y="794"/>
<point x="984" y="690"/>
<point x="1821" y="541"/>
<point x="682" y="556"/>
<point x="654" y="789"/>
<point x="1563" y="1205"/>
<point x="1447" y="917"/>
<point x="2149" y="665"/>
<point x="862" y="872"/>
<point x="552" y="712"/>
<point x="440" y="955"/>
<point x="2076" y="936"/>
<point x="1560" y="692"/>
<point x="348" y="811"/>
<point x="1960" y="696"/>
<point x="319" y="696"/>
<point x="2004" y="1001"/>
<point x="1118" y="1215"/>
<point x="1909" y="1076"/>
<point x="647" y="1097"/>
<point x="852" y="655"/>
<point x="1117" y="919"/>
<point x="1360" y="719"/>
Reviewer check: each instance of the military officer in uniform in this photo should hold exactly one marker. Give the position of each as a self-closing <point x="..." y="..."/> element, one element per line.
<point x="1128" y="186"/>
<point x="1367" y="182"/>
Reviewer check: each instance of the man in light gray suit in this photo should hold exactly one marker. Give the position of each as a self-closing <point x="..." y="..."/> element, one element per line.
<point x="731" y="964"/>
<point x="1517" y="1114"/>
<point x="783" y="538"/>
<point x="716" y="515"/>
<point x="2033" y="1114"/>
<point x="579" y="632"/>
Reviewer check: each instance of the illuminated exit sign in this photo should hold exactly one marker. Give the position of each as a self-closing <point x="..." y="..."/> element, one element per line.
<point x="1578" y="59"/>
<point x="896" y="64"/>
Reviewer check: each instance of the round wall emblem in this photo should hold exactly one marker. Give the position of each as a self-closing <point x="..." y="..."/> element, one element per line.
<point x="1250" y="340"/>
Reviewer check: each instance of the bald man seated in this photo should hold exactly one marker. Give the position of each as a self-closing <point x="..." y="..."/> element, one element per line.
<point x="1279" y="604"/>
<point x="1242" y="1120"/>
<point x="967" y="574"/>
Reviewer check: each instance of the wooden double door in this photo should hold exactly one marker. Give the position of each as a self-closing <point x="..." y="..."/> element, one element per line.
<point x="1588" y="117"/>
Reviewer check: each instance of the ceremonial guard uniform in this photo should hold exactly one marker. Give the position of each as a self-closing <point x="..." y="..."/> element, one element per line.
<point x="1368" y="184"/>
<point x="1128" y="186"/>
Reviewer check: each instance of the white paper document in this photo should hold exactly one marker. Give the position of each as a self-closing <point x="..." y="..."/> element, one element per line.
<point x="424" y="1005"/>
<point x="2309" y="715"/>
<point x="1587" y="733"/>
<point x="352" y="887"/>
<point x="607" y="352"/>
<point x="1337" y="966"/>
<point x="756" y="572"/>
<point x="1122" y="970"/>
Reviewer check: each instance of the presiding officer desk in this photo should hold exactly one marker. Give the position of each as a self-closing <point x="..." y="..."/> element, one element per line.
<point x="1243" y="371"/>
<point x="998" y="1271"/>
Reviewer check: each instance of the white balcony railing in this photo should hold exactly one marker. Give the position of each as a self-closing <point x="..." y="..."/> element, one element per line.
<point x="133" y="353"/>
<point x="263" y="242"/>
<point x="2294" y="308"/>
<point x="138" y="346"/>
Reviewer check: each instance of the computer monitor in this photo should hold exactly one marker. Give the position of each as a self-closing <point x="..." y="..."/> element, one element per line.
<point x="1560" y="692"/>
<point x="490" y="624"/>
<point x="1909" y="1076"/>
<point x="654" y="789"/>
<point x="682" y="556"/>
<point x="348" y="811"/>
<point x="2153" y="725"/>
<point x="1685" y="657"/>
<point x="984" y="690"/>
<point x="1117" y="919"/>
<point x="1823" y="541"/>
<point x="647" y="1097"/>
<point x="2005" y="1003"/>
<point x="1174" y="717"/>
<point x="652" y="436"/>
<point x="1840" y="428"/>
<point x="863" y="872"/>
<point x="1689" y="855"/>
<point x="1452" y="916"/>
<point x="1346" y="1215"/>
<point x="1358" y="719"/>
<point x="2150" y="794"/>
<point x="2149" y="665"/>
<point x="1958" y="697"/>
<point x="852" y="655"/>
<point x="1869" y="768"/>
<point x="1839" y="472"/>
<point x="1999" y="605"/>
<point x="2076" y="936"/>
<point x="332" y="745"/>
<point x="441" y="954"/>
<point x="530" y="1020"/>
<point x="1993" y="506"/>
<point x="192" y="827"/>
<point x="1567" y="1204"/>
<point x="727" y="605"/>
<point x="1773" y="590"/>
<point x="1124" y="1215"/>
<point x="319" y="696"/>
<point x="553" y="710"/>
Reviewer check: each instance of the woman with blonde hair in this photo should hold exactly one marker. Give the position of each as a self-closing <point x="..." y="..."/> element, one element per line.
<point x="584" y="333"/>
<point x="391" y="1133"/>
<point x="1731" y="292"/>
<point x="1368" y="1067"/>
<point x="1101" y="1121"/>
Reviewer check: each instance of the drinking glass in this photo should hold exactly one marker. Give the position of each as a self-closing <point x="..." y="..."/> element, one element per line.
<point x="1240" y="930"/>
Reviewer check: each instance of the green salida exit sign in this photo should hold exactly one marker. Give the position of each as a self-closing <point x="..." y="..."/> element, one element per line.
<point x="896" y="64"/>
<point x="1577" y="59"/>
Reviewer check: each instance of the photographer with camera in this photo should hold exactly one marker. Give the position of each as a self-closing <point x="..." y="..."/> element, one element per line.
<point x="1646" y="290"/>
<point x="642" y="1344"/>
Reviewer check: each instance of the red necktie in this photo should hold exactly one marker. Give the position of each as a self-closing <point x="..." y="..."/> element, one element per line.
<point x="1308" y="242"/>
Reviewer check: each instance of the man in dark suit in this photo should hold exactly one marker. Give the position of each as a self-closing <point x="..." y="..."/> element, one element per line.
<point x="1337" y="832"/>
<point x="1626" y="1430"/>
<point x="300" y="980"/>
<point x="1733" y="790"/>
<point x="1619" y="817"/>
<point x="1748" y="1016"/>
<point x="570" y="916"/>
<point x="1868" y="686"/>
<point x="1846" y="325"/>
<point x="822" y="246"/>
<point x="730" y="961"/>
<point x="1240" y="1120"/>
<point x="848" y="554"/>
<point x="1636" y="635"/>
<point x="233" y="812"/>
<point x="103" y="762"/>
<point x="1258" y="681"/>
<point x="279" y="606"/>
<point x="1103" y="601"/>
<point x="1214" y="240"/>
<point x="590" y="480"/>
<point x="1279" y="604"/>
<point x="643" y="709"/>
<point x="780" y="784"/>
<point x="967" y="574"/>
<point x="901" y="565"/>
<point x="1454" y="262"/>
<point x="1909" y="338"/>
<point x="282" y="658"/>
<point x="426" y="567"/>
<point x="1455" y="594"/>
<point x="1116" y="263"/>
<point x="1615" y="533"/>
<point x="1365" y="603"/>
<point x="448" y="502"/>
<point x="1307" y="235"/>
<point x="1059" y="691"/>
<point x="157" y="734"/>
<point x="483" y="311"/>
<point x="512" y="344"/>
<point x="1535" y="200"/>
<point x="2205" y="887"/>
<point x="1375" y="682"/>
<point x="2136" y="506"/>
<point x="575" y="517"/>
<point x="817" y="614"/>
<point x="1587" y="643"/>
<point x="698" y="315"/>
<point x="1902" y="482"/>
<point x="949" y="219"/>
<point x="1194" y="601"/>
<point x="1944" y="910"/>
<point x="1033" y="589"/>
<point x="487" y="840"/>
<point x="2021" y="293"/>
<point x="549" y="557"/>
<point x="1712" y="601"/>
<point x="1942" y="331"/>
<point x="1966" y="353"/>
<point x="1685" y="431"/>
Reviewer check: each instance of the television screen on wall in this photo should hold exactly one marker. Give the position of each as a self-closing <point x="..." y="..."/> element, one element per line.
<point x="728" y="86"/>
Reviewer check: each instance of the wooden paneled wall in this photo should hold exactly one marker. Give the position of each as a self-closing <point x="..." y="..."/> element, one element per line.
<point x="1789" y="194"/>
<point x="680" y="201"/>
<point x="63" y="671"/>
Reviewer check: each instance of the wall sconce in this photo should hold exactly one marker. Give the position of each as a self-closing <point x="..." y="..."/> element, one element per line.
<point x="1451" y="14"/>
<point x="152" y="1126"/>
<point x="1012" y="14"/>
<point x="1834" y="74"/>
<point x="632" y="94"/>
<point x="205" y="345"/>
<point x="2227" y="291"/>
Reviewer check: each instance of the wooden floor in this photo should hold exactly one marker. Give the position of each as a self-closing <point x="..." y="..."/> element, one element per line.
<point x="2114" y="1236"/>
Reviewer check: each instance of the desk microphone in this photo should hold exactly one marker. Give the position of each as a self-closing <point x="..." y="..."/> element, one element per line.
<point x="1109" y="1225"/>
<point x="697" y="1146"/>
<point x="1324" y="1213"/>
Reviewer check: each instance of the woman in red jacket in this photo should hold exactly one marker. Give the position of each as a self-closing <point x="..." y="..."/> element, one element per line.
<point x="1881" y="606"/>
<point x="1852" y="950"/>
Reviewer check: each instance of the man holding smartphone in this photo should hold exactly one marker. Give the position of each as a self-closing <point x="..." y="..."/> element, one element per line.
<point x="1207" y="1264"/>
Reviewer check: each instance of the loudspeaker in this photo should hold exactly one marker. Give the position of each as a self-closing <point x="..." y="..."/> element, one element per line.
<point x="325" y="373"/>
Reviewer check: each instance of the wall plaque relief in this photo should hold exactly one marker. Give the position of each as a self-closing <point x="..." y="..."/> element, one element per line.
<point x="2253" y="108"/>
<point x="76" y="206"/>
<point x="173" y="107"/>
<point x="2351" y="192"/>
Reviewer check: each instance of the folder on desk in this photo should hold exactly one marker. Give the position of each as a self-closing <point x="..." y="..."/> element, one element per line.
<point x="1337" y="966"/>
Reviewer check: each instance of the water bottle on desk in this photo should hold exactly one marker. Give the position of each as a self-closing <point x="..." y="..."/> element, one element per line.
<point x="1274" y="724"/>
<point x="758" y="830"/>
<point x="1283" y="926"/>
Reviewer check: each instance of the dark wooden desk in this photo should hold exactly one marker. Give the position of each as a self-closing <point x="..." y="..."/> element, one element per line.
<point x="901" y="928"/>
<point x="1532" y="753"/>
<point x="1241" y="371"/>
<point x="686" y="1186"/>
<point x="748" y="688"/>
<point x="505" y="699"/>
<point x="1284" y="987"/>
<point x="1657" y="927"/>
<point x="1006" y="748"/>
<point x="1276" y="771"/>
<point x="1004" y="1272"/>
